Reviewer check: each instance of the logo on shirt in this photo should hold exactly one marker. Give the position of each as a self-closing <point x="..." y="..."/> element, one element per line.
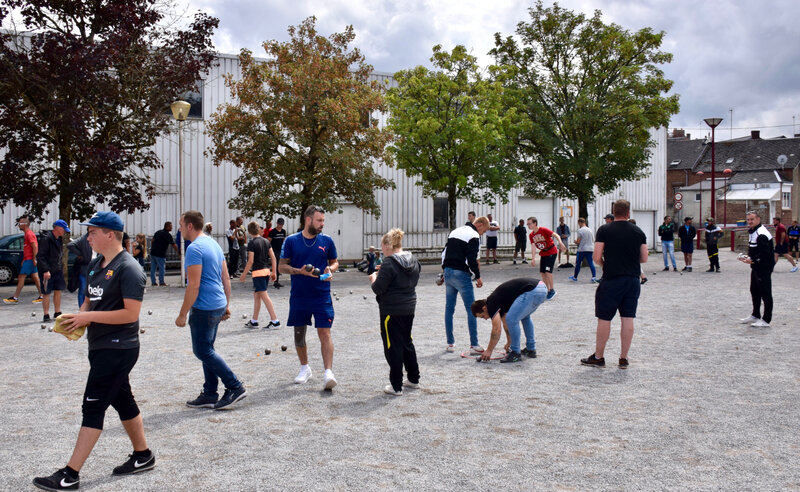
<point x="322" y="248"/>
<point x="109" y="274"/>
<point x="95" y="291"/>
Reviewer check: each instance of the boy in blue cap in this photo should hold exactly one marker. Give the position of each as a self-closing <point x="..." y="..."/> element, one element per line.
<point x="48" y="262"/>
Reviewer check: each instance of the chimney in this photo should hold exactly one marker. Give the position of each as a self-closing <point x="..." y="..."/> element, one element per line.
<point x="755" y="134"/>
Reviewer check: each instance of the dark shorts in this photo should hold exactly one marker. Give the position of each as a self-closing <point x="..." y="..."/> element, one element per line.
<point x="56" y="282"/>
<point x="520" y="246"/>
<point x="781" y="249"/>
<point x="546" y="263"/>
<point x="617" y="294"/>
<point x="260" y="284"/>
<point x="687" y="247"/>
<point x="793" y="244"/>
<point x="108" y="385"/>
<point x="301" y="315"/>
<point x="491" y="242"/>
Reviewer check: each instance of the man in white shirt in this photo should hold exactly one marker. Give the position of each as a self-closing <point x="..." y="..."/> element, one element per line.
<point x="491" y="238"/>
<point x="585" y="241"/>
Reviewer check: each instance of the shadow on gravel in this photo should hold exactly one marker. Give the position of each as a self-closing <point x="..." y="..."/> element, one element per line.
<point x="105" y="483"/>
<point x="592" y="376"/>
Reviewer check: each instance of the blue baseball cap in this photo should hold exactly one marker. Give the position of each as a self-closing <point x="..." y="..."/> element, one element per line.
<point x="106" y="220"/>
<point x="61" y="223"/>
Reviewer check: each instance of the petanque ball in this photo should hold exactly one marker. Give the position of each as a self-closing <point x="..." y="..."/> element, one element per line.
<point x="283" y="348"/>
<point x="351" y="291"/>
<point x="309" y="267"/>
<point x="43" y="326"/>
<point x="316" y="272"/>
<point x="141" y="330"/>
<point x="150" y="311"/>
<point x="244" y="316"/>
<point x="33" y="314"/>
<point x="49" y="328"/>
<point x="365" y="297"/>
<point x="267" y="351"/>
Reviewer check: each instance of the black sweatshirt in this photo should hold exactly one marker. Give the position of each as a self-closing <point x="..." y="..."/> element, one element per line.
<point x="395" y="284"/>
<point x="461" y="252"/>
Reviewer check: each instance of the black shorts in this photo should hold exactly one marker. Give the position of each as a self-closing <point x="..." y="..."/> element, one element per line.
<point x="546" y="263"/>
<point x="617" y="294"/>
<point x="781" y="249"/>
<point x="793" y="244"/>
<point x="520" y="246"/>
<point x="56" y="282"/>
<point x="108" y="385"/>
<point x="491" y="242"/>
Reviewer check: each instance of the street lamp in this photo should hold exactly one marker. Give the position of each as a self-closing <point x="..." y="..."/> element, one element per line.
<point x="180" y="110"/>
<point x="727" y="172"/>
<point x="713" y="122"/>
<point x="700" y="175"/>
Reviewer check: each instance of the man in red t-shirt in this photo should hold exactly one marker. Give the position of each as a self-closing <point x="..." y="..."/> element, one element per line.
<point x="782" y="243"/>
<point x="29" y="251"/>
<point x="549" y="244"/>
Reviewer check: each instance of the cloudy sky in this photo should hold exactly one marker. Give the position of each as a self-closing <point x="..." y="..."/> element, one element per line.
<point x="728" y="54"/>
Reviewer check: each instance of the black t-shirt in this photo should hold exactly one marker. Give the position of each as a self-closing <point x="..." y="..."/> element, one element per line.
<point x="258" y="246"/>
<point x="622" y="242"/>
<point x="276" y="238"/>
<point x="106" y="289"/>
<point x="506" y="293"/>
<point x="521" y="234"/>
<point x="161" y="241"/>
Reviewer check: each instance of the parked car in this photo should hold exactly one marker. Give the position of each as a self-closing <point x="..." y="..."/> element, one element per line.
<point x="11" y="256"/>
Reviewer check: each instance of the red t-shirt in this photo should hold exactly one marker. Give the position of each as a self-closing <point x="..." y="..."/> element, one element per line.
<point x="780" y="234"/>
<point x="543" y="241"/>
<point x="265" y="234"/>
<point x="27" y="248"/>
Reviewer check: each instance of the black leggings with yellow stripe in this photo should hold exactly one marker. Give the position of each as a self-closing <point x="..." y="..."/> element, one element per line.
<point x="398" y="347"/>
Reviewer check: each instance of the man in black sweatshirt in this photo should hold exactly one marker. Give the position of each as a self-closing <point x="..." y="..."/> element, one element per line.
<point x="48" y="261"/>
<point x="459" y="258"/>
<point x="761" y="258"/>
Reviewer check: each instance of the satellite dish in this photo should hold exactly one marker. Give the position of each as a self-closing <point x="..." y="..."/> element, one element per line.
<point x="782" y="159"/>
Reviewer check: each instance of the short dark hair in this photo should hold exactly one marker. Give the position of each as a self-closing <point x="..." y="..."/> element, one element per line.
<point x="534" y="220"/>
<point x="471" y="213"/>
<point x="253" y="228"/>
<point x="311" y="210"/>
<point x="280" y="221"/>
<point x="194" y="218"/>
<point x="477" y="306"/>
<point x="621" y="208"/>
<point x="167" y="224"/>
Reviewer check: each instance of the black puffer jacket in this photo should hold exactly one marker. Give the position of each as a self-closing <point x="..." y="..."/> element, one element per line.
<point x="49" y="256"/>
<point x="396" y="284"/>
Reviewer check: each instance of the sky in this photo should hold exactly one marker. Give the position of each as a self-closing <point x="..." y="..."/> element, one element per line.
<point x="727" y="54"/>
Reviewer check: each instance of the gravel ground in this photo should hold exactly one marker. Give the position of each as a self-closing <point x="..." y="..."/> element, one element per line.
<point x="707" y="403"/>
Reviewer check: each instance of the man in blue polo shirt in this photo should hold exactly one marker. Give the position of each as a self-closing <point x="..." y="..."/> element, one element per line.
<point x="311" y="294"/>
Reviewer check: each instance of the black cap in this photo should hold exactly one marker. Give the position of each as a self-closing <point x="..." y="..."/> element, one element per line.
<point x="608" y="216"/>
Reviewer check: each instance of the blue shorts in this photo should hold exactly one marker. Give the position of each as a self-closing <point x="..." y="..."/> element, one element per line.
<point x="56" y="282"/>
<point x="301" y="315"/>
<point x="617" y="294"/>
<point x="687" y="247"/>
<point x="260" y="284"/>
<point x="27" y="268"/>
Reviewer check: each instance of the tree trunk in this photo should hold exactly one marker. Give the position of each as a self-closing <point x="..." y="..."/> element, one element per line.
<point x="451" y="207"/>
<point x="583" y="209"/>
<point x="64" y="207"/>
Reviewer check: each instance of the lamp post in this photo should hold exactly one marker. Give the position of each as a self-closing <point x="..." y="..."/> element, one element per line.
<point x="700" y="175"/>
<point x="713" y="122"/>
<point x="180" y="109"/>
<point x="727" y="172"/>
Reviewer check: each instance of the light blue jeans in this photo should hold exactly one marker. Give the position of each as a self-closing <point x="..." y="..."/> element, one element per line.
<point x="520" y="314"/>
<point x="157" y="263"/>
<point x="459" y="282"/>
<point x="668" y="247"/>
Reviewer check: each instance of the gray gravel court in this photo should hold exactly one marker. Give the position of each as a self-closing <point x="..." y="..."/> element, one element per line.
<point x="707" y="403"/>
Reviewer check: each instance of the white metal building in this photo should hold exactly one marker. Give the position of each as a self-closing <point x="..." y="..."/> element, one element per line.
<point x="208" y="189"/>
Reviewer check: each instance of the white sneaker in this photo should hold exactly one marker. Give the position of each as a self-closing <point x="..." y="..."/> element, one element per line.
<point x="329" y="379"/>
<point x="409" y="384"/>
<point x="303" y="376"/>
<point x="749" y="320"/>
<point x="476" y="349"/>
<point x="390" y="391"/>
<point x="795" y="268"/>
<point x="450" y="348"/>
<point x="760" y="324"/>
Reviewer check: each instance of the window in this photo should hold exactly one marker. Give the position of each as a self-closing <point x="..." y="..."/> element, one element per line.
<point x="697" y="197"/>
<point x="17" y="244"/>
<point x="195" y="98"/>
<point x="441" y="217"/>
<point x="674" y="163"/>
<point x="729" y="160"/>
<point x="787" y="199"/>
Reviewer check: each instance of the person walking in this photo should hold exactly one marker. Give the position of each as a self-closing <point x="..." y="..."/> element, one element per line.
<point x="548" y="243"/>
<point x="666" y="232"/>
<point x="793" y="232"/>
<point x="207" y="296"/>
<point x="520" y="241"/>
<point x="30" y="249"/>
<point x="261" y="260"/>
<point x="395" y="288"/>
<point x="115" y="288"/>
<point x="584" y="238"/>
<point x="491" y="238"/>
<point x="761" y="258"/>
<point x="310" y="294"/>
<point x="49" y="262"/>
<point x="276" y="237"/>
<point x="713" y="234"/>
<point x="459" y="258"/>
<point x="241" y="237"/>
<point x="620" y="248"/>
<point x="687" y="233"/>
<point x="563" y="233"/>
<point x="158" y="253"/>
<point x="782" y="243"/>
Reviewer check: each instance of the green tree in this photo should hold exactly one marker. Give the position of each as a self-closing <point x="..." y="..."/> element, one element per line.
<point x="83" y="96"/>
<point x="589" y="93"/>
<point x="301" y="128"/>
<point x="451" y="130"/>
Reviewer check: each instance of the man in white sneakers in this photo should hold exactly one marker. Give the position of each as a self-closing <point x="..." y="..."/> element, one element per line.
<point x="761" y="258"/>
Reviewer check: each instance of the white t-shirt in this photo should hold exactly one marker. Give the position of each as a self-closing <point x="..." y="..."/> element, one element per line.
<point x="491" y="233"/>
<point x="587" y="239"/>
<point x="231" y="234"/>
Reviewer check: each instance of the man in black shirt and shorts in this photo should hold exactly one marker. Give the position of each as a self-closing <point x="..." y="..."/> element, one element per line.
<point x="115" y="287"/>
<point x="158" y="253"/>
<point x="619" y="248"/>
<point x="276" y="237"/>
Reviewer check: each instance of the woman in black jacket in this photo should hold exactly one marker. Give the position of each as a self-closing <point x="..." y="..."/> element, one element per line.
<point x="394" y="285"/>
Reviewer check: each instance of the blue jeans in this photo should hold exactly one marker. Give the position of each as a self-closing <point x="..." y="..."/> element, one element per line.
<point x="459" y="281"/>
<point x="159" y="263"/>
<point x="668" y="247"/>
<point x="520" y="314"/>
<point x="203" y="325"/>
<point x="81" y="289"/>
<point x="589" y="260"/>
